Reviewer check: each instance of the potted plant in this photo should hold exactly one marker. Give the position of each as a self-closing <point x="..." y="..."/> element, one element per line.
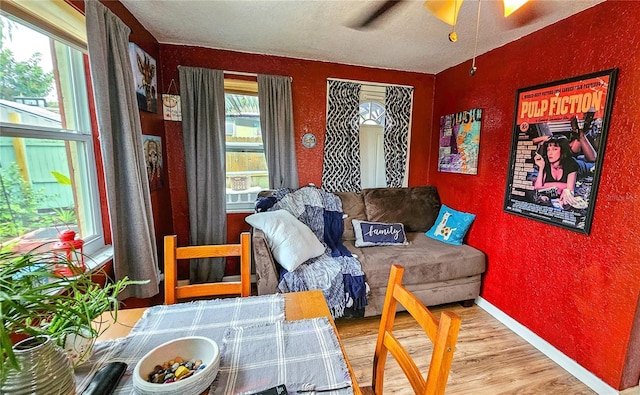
<point x="36" y="302"/>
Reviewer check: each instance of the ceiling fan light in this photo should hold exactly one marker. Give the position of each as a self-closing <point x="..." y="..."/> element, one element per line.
<point x="445" y="10"/>
<point x="511" y="5"/>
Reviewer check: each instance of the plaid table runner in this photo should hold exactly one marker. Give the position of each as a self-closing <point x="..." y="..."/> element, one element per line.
<point x="304" y="355"/>
<point x="160" y="324"/>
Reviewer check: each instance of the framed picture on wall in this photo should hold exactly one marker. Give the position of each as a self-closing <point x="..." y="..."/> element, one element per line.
<point x="558" y="141"/>
<point x="460" y="142"/>
<point x="145" y="77"/>
<point x="152" y="146"/>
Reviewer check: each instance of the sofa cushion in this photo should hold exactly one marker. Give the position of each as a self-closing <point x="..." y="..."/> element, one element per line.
<point x="369" y="234"/>
<point x="451" y="226"/>
<point x="416" y="207"/>
<point x="291" y="242"/>
<point x="425" y="261"/>
<point x="353" y="206"/>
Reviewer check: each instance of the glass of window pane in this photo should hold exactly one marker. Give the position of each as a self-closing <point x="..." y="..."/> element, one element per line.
<point x="47" y="163"/>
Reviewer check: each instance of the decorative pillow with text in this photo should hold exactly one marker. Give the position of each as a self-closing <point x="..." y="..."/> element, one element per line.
<point x="370" y="234"/>
<point x="451" y="226"/>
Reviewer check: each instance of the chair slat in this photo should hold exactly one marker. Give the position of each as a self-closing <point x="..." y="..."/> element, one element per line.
<point x="174" y="289"/>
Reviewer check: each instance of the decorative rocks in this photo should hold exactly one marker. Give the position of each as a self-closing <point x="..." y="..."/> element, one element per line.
<point x="174" y="370"/>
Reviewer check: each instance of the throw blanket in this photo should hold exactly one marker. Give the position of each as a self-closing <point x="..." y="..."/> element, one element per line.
<point x="337" y="273"/>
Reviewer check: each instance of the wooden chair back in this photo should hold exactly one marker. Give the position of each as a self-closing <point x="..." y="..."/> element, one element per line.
<point x="172" y="254"/>
<point x="443" y="333"/>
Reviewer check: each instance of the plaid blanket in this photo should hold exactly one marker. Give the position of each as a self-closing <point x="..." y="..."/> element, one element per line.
<point x="159" y="324"/>
<point x="337" y="273"/>
<point x="303" y="355"/>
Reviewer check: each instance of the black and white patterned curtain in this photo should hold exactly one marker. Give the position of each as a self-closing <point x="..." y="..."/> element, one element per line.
<point x="341" y="168"/>
<point x="398" y="101"/>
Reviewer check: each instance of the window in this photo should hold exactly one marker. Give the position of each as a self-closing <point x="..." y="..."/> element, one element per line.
<point x="372" y="120"/>
<point x="245" y="160"/>
<point x="47" y="163"/>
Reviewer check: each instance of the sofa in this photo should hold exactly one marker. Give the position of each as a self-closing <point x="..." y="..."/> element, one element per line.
<point x="435" y="271"/>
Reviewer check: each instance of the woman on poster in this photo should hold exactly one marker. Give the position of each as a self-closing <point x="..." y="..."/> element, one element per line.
<point x="557" y="170"/>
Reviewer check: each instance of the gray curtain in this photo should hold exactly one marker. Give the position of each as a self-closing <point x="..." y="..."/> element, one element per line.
<point x="276" y="121"/>
<point x="132" y="229"/>
<point x="398" y="101"/>
<point x="341" y="166"/>
<point x="203" y="133"/>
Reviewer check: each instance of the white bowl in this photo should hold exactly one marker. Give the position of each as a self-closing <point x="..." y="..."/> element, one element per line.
<point x="190" y="349"/>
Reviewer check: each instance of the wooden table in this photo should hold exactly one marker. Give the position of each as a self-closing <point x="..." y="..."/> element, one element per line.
<point x="297" y="306"/>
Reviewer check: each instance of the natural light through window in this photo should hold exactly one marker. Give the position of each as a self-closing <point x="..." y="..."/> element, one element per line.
<point x="245" y="160"/>
<point x="47" y="162"/>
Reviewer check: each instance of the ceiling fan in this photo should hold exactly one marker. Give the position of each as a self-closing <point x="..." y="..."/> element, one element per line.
<point x="445" y="10"/>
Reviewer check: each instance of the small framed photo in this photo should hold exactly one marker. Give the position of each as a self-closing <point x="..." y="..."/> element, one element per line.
<point x="145" y="77"/>
<point x="152" y="146"/>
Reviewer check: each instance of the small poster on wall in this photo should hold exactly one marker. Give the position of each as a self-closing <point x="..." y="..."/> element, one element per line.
<point x="144" y="75"/>
<point x="460" y="142"/>
<point x="153" y="159"/>
<point x="559" y="135"/>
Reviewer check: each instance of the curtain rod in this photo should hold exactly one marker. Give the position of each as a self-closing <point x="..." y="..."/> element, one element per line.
<point x="370" y="83"/>
<point x="240" y="73"/>
<point x="247" y="74"/>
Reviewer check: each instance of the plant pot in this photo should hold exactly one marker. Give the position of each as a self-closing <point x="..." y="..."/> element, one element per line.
<point x="79" y="346"/>
<point x="44" y="369"/>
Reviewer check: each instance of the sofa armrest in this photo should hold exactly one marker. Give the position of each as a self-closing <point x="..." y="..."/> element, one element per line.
<point x="266" y="269"/>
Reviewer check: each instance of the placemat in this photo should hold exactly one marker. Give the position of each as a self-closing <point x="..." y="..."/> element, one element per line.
<point x="160" y="324"/>
<point x="303" y="355"/>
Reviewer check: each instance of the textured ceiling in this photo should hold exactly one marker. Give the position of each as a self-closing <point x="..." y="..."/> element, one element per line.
<point x="408" y="37"/>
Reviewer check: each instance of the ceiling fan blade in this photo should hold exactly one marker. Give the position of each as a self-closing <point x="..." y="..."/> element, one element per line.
<point x="378" y="12"/>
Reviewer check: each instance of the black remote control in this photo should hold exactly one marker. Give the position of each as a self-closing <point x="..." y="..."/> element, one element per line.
<point x="106" y="379"/>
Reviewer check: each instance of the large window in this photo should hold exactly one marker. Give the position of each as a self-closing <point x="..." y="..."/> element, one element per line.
<point x="47" y="162"/>
<point x="245" y="160"/>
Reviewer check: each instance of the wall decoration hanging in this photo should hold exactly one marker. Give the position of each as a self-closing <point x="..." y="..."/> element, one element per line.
<point x="309" y="140"/>
<point x="145" y="77"/>
<point x="460" y="142"/>
<point x="153" y="159"/>
<point x="559" y="135"/>
<point x="171" y="108"/>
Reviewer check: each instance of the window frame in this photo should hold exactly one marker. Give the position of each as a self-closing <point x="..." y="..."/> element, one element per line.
<point x="248" y="88"/>
<point x="95" y="247"/>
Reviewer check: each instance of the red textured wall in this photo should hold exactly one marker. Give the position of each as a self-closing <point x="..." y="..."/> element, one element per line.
<point x="577" y="292"/>
<point x="309" y="110"/>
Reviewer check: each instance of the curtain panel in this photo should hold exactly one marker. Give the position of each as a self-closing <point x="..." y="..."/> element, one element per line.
<point x="132" y="227"/>
<point x="203" y="133"/>
<point x="276" y="121"/>
<point x="341" y="167"/>
<point x="398" y="103"/>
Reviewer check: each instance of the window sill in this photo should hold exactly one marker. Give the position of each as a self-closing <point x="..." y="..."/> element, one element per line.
<point x="98" y="259"/>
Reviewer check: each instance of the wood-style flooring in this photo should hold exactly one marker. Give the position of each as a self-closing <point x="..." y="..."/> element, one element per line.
<point x="489" y="357"/>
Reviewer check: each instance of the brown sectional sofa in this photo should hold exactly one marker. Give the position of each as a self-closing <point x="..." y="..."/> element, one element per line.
<point x="436" y="272"/>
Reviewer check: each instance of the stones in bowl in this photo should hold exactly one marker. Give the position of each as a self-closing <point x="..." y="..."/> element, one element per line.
<point x="190" y="349"/>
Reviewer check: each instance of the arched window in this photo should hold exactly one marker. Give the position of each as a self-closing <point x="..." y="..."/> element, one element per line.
<point x="371" y="113"/>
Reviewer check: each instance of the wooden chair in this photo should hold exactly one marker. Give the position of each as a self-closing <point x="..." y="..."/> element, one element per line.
<point x="443" y="333"/>
<point x="173" y="290"/>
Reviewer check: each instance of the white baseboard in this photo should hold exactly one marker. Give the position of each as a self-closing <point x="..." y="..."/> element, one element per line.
<point x="568" y="364"/>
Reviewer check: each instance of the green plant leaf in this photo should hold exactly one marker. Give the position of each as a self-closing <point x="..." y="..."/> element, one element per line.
<point x="61" y="178"/>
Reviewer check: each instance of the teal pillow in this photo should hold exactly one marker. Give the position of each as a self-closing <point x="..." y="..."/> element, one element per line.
<point x="450" y="226"/>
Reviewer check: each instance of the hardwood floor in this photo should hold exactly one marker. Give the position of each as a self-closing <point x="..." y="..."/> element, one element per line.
<point x="489" y="357"/>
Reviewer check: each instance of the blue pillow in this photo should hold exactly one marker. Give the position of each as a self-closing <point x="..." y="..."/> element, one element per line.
<point x="450" y="226"/>
<point x="370" y="234"/>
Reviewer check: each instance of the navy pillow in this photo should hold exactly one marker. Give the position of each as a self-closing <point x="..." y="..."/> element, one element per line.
<point x="451" y="226"/>
<point x="370" y="234"/>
